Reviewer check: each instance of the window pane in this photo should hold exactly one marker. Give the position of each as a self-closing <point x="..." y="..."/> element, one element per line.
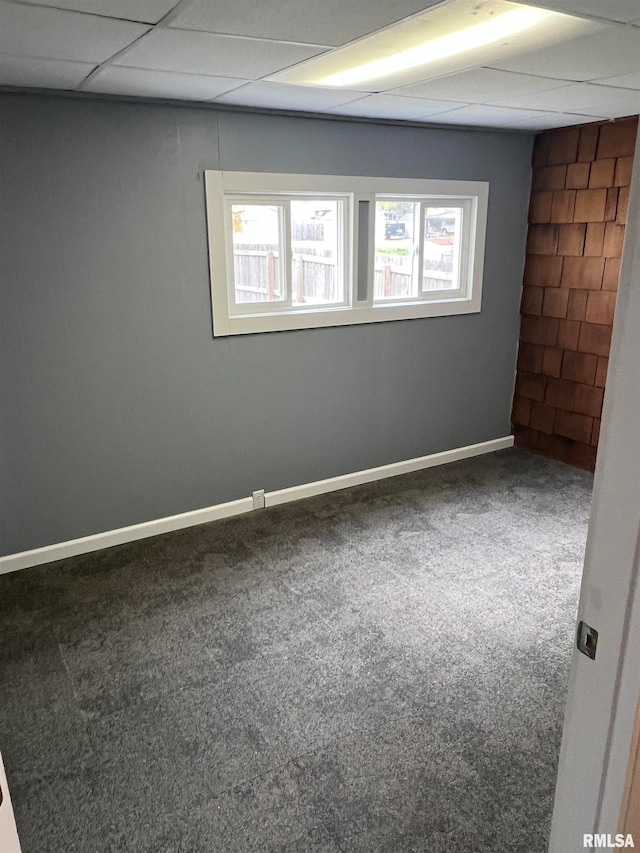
<point x="316" y="262"/>
<point x="257" y="252"/>
<point x="442" y="235"/>
<point x="397" y="236"/>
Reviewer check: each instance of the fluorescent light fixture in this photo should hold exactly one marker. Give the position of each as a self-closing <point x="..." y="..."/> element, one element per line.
<point x="499" y="27"/>
<point x="447" y="38"/>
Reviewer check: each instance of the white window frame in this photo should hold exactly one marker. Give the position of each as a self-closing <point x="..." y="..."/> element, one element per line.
<point x="462" y="261"/>
<point x="284" y="200"/>
<point x="269" y="317"/>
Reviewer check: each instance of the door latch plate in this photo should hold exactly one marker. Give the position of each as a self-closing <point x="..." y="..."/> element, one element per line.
<point x="587" y="640"/>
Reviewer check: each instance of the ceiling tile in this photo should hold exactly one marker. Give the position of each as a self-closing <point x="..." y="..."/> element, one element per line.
<point x="611" y="10"/>
<point x="116" y="80"/>
<point x="220" y="56"/>
<point x="611" y="50"/>
<point x="52" y="34"/>
<point x="615" y="109"/>
<point x="575" y="98"/>
<point x="329" y="22"/>
<point x="624" y="81"/>
<point x="549" y="120"/>
<point x="393" y="106"/>
<point x="486" y="115"/>
<point x="147" y="11"/>
<point x="280" y="96"/>
<point x="478" y="85"/>
<point x="42" y="73"/>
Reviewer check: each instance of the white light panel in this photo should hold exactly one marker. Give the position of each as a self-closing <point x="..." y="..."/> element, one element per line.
<point x="451" y="37"/>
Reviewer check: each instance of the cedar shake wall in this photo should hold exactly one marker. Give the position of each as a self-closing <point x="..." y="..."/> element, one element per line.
<point x="577" y="216"/>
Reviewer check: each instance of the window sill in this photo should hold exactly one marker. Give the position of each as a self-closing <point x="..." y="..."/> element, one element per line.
<point x="324" y="317"/>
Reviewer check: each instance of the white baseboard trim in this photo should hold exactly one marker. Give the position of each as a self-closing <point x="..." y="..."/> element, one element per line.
<point x="98" y="541"/>
<point x="320" y="487"/>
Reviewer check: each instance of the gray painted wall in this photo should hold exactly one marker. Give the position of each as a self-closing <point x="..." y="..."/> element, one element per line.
<point x="117" y="404"/>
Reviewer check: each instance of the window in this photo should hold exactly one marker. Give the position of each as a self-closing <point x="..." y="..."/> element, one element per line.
<point x="302" y="251"/>
<point x="288" y="253"/>
<point x="419" y="249"/>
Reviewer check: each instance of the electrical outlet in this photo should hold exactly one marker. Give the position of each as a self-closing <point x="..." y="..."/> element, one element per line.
<point x="258" y="499"/>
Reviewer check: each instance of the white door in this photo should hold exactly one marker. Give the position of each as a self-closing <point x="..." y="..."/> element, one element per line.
<point x="8" y="834"/>
<point x="603" y="693"/>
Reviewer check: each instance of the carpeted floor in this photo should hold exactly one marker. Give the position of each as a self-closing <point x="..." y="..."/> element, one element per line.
<point x="378" y="669"/>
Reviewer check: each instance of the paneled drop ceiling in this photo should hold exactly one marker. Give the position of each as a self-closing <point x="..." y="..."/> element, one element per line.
<point x="225" y="51"/>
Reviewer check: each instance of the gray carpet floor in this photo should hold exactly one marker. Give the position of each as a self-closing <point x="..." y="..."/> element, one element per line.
<point x="378" y="669"/>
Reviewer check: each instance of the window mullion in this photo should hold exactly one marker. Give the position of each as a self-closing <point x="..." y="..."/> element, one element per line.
<point x="366" y="258"/>
<point x="347" y="251"/>
<point x="464" y="272"/>
<point x="420" y="272"/>
<point x="287" y="259"/>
